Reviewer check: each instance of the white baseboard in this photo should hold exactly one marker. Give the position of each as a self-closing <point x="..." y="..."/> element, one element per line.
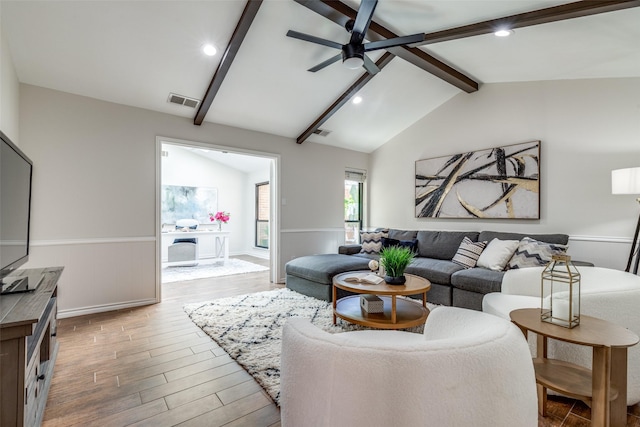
<point x="63" y="314"/>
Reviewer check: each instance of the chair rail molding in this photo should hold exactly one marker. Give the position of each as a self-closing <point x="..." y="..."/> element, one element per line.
<point x="92" y="241"/>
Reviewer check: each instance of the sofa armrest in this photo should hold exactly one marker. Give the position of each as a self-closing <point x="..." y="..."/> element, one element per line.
<point x="582" y="263"/>
<point x="349" y="249"/>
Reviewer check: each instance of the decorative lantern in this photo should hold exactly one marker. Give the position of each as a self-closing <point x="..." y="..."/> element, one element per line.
<point x="560" y="292"/>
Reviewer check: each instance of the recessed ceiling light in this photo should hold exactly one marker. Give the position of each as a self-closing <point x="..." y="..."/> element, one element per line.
<point x="209" y="49"/>
<point x="357" y="100"/>
<point x="503" y="33"/>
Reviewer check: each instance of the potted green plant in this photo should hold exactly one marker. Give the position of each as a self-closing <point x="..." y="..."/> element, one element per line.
<point x="395" y="259"/>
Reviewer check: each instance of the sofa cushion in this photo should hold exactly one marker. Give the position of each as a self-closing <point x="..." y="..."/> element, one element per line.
<point x="368" y="256"/>
<point x="480" y="280"/>
<point x="497" y="254"/>
<point x="488" y="236"/>
<point x="321" y="268"/>
<point x="533" y="253"/>
<point x="402" y="234"/>
<point x="442" y="244"/>
<point x="371" y="241"/>
<point x="434" y="270"/>
<point x="468" y="253"/>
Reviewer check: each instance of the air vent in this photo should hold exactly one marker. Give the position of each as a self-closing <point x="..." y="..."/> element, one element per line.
<point x="322" y="132"/>
<point x="183" y="100"/>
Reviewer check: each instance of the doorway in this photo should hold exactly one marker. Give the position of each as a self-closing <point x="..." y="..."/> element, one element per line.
<point x="194" y="182"/>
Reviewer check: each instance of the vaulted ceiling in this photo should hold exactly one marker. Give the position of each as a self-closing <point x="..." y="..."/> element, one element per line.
<point x="137" y="52"/>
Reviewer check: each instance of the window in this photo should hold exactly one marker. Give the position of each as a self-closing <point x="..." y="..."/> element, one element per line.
<point x="263" y="207"/>
<point x="353" y="189"/>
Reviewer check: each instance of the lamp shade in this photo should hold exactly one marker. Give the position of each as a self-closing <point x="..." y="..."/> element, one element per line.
<point x="625" y="181"/>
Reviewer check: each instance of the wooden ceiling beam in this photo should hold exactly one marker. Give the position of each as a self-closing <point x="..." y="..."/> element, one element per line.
<point x="246" y="19"/>
<point x="340" y="13"/>
<point x="541" y="16"/>
<point x="344" y="98"/>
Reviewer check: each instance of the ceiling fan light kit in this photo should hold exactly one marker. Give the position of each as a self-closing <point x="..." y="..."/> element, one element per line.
<point x="353" y="56"/>
<point x="353" y="53"/>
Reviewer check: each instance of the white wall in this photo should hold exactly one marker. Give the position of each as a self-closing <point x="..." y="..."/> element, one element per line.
<point x="95" y="177"/>
<point x="94" y="193"/>
<point x="586" y="128"/>
<point x="9" y="91"/>
<point x="183" y="167"/>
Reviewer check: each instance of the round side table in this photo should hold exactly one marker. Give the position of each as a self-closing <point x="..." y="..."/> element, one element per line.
<point x="605" y="385"/>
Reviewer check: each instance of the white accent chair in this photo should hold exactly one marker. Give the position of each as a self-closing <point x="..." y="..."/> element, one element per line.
<point x="607" y="294"/>
<point x="184" y="251"/>
<point x="467" y="369"/>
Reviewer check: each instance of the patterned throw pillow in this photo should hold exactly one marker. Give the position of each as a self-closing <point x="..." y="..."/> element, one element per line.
<point x="533" y="253"/>
<point x="468" y="253"/>
<point x="372" y="241"/>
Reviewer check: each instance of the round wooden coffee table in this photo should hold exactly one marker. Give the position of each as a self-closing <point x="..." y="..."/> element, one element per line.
<point x="398" y="313"/>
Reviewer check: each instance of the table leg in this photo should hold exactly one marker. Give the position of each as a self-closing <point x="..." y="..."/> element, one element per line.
<point x="226" y="248"/>
<point x="619" y="381"/>
<point x="601" y="370"/>
<point x="541" y="350"/>
<point x="393" y="309"/>
<point x="334" y="298"/>
<point x="424" y="299"/>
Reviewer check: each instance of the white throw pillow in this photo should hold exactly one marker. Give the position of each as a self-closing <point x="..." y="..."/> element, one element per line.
<point x="497" y="254"/>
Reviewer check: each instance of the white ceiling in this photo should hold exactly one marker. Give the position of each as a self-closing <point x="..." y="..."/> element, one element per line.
<point x="137" y="52"/>
<point x="241" y="162"/>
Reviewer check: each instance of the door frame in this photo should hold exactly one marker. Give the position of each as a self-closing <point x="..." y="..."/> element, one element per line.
<point x="274" y="226"/>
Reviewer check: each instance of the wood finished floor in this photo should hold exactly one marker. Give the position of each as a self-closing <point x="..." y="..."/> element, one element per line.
<point x="151" y="366"/>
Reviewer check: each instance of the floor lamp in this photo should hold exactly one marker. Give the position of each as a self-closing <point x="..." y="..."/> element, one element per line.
<point x="627" y="181"/>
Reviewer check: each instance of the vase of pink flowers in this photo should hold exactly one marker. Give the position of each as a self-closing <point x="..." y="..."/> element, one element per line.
<point x="220" y="217"/>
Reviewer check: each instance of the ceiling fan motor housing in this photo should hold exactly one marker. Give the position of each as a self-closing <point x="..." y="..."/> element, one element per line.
<point x="349" y="25"/>
<point x="353" y="55"/>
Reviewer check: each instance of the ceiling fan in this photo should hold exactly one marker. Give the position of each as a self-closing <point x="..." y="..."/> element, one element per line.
<point x="353" y="53"/>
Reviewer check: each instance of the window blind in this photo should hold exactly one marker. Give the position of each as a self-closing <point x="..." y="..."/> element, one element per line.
<point x="355" y="176"/>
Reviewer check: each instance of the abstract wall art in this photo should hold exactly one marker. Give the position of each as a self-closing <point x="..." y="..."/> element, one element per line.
<point x="501" y="182"/>
<point x="181" y="202"/>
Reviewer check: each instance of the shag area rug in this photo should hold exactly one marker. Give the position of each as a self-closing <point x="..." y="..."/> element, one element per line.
<point x="249" y="328"/>
<point x="209" y="268"/>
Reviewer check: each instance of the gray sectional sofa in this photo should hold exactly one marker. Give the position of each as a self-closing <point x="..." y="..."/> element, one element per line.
<point x="451" y="284"/>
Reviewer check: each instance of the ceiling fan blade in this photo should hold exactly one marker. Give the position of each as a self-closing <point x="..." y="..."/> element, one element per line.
<point x="328" y="62"/>
<point x="396" y="41"/>
<point x="363" y="19"/>
<point x="370" y="66"/>
<point x="313" y="39"/>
